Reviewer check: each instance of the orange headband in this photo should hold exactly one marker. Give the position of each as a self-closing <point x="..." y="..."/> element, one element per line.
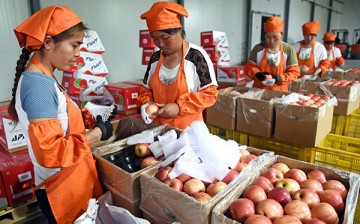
<point x="164" y="15"/>
<point x="274" y="24"/>
<point x="48" y="21"/>
<point x="311" y="28"/>
<point x="329" y="37"/>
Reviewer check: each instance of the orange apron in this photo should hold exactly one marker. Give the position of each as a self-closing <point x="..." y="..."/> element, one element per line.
<point x="164" y="94"/>
<point x="69" y="190"/>
<point x="309" y="62"/>
<point x="333" y="61"/>
<point x="265" y="67"/>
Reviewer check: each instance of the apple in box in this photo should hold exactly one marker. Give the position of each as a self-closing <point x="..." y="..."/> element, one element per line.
<point x="142" y="150"/>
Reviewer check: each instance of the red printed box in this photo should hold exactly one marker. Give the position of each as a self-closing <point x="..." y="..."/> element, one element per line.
<point x="135" y="82"/>
<point x="12" y="137"/>
<point x="214" y="38"/>
<point x="231" y="74"/>
<point x="17" y="176"/>
<point x="213" y="53"/>
<point x="146" y="55"/>
<point x="77" y="83"/>
<point x="124" y="96"/>
<point x="145" y="40"/>
<point x="92" y="43"/>
<point x="90" y="64"/>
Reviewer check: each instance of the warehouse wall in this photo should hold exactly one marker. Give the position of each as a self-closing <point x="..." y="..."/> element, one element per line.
<point x="117" y="23"/>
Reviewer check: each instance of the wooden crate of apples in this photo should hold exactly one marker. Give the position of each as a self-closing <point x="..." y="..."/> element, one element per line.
<point x="187" y="199"/>
<point x="288" y="191"/>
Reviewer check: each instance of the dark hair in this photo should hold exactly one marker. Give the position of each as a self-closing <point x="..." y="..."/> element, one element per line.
<point x="175" y="30"/>
<point x="24" y="58"/>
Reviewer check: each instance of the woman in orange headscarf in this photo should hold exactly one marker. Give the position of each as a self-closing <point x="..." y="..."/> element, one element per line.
<point x="333" y="53"/>
<point x="311" y="54"/>
<point x="180" y="77"/>
<point x="273" y="60"/>
<point x="65" y="171"/>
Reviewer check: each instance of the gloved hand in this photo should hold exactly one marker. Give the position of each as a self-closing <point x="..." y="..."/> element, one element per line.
<point x="261" y="76"/>
<point x="113" y="113"/>
<point x="144" y="115"/>
<point x="106" y="128"/>
<point x="277" y="78"/>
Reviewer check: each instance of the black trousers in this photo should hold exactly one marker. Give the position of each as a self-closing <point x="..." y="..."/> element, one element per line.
<point x="44" y="205"/>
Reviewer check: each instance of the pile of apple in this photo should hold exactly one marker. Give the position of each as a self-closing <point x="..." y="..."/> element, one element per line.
<point x="283" y="196"/>
<point x="341" y="82"/>
<point x="143" y="151"/>
<point x="315" y="100"/>
<point x="202" y="191"/>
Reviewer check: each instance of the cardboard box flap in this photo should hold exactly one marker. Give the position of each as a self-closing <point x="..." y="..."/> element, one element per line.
<point x="350" y="180"/>
<point x="330" y="75"/>
<point x="352" y="76"/>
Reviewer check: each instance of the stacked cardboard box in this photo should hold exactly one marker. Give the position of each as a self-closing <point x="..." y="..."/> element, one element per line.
<point x="148" y="46"/>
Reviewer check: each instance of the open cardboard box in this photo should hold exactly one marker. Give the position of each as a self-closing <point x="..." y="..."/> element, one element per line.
<point x="162" y="204"/>
<point x="220" y="213"/>
<point x="255" y="112"/>
<point x="223" y="113"/>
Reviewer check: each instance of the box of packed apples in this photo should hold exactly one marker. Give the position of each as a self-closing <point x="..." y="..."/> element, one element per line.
<point x="284" y="191"/>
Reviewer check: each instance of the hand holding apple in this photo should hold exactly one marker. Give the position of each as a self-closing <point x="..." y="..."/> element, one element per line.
<point x="152" y="110"/>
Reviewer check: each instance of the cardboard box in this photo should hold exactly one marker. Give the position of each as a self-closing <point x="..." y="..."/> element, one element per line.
<point x="213" y="38"/>
<point x="17" y="176"/>
<point x="92" y="43"/>
<point x="146" y="55"/>
<point x="233" y="74"/>
<point x="124" y="96"/>
<point x="213" y="53"/>
<point x="223" y="113"/>
<point x="303" y="125"/>
<point x="350" y="180"/>
<point x="90" y="64"/>
<point x="88" y="85"/>
<point x="12" y="137"/>
<point x="255" y="112"/>
<point x="162" y="204"/>
<point x="145" y="40"/>
<point x="348" y="97"/>
<point x="135" y="82"/>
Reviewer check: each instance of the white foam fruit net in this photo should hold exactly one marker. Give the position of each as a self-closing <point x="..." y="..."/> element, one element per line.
<point x="103" y="111"/>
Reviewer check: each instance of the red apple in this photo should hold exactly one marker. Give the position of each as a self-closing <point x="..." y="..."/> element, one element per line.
<point x="296" y="174"/>
<point x="202" y="197"/>
<point x="334" y="198"/>
<point x="280" y="195"/>
<point x="325" y="212"/>
<point x="257" y="219"/>
<point x="152" y="109"/>
<point x="254" y="193"/>
<point x="247" y="159"/>
<point x="290" y="185"/>
<point x="240" y="166"/>
<point x="274" y="175"/>
<point x="183" y="177"/>
<point x="317" y="175"/>
<point x="336" y="185"/>
<point x="193" y="186"/>
<point x="215" y="188"/>
<point x="163" y="173"/>
<point x="298" y="209"/>
<point x="287" y="219"/>
<point x="270" y="208"/>
<point x="148" y="161"/>
<point x="281" y="166"/>
<point x="230" y="176"/>
<point x="264" y="183"/>
<point x="308" y="196"/>
<point x="174" y="183"/>
<point x="142" y="150"/>
<point x="241" y="209"/>
<point x="312" y="184"/>
<point x="314" y="221"/>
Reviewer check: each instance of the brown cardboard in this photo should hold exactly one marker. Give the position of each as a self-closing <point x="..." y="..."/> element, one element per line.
<point x="162" y="204"/>
<point x="223" y="113"/>
<point x="350" y="180"/>
<point x="303" y="125"/>
<point x="255" y="112"/>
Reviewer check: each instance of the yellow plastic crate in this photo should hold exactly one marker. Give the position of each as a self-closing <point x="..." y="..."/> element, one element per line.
<point x="339" y="152"/>
<point x="347" y="125"/>
<point x="280" y="148"/>
<point x="239" y="137"/>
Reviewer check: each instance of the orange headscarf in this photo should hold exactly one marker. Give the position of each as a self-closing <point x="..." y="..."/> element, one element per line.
<point x="311" y="28"/>
<point x="164" y="15"/>
<point x="329" y="37"/>
<point x="274" y="24"/>
<point x="50" y="21"/>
